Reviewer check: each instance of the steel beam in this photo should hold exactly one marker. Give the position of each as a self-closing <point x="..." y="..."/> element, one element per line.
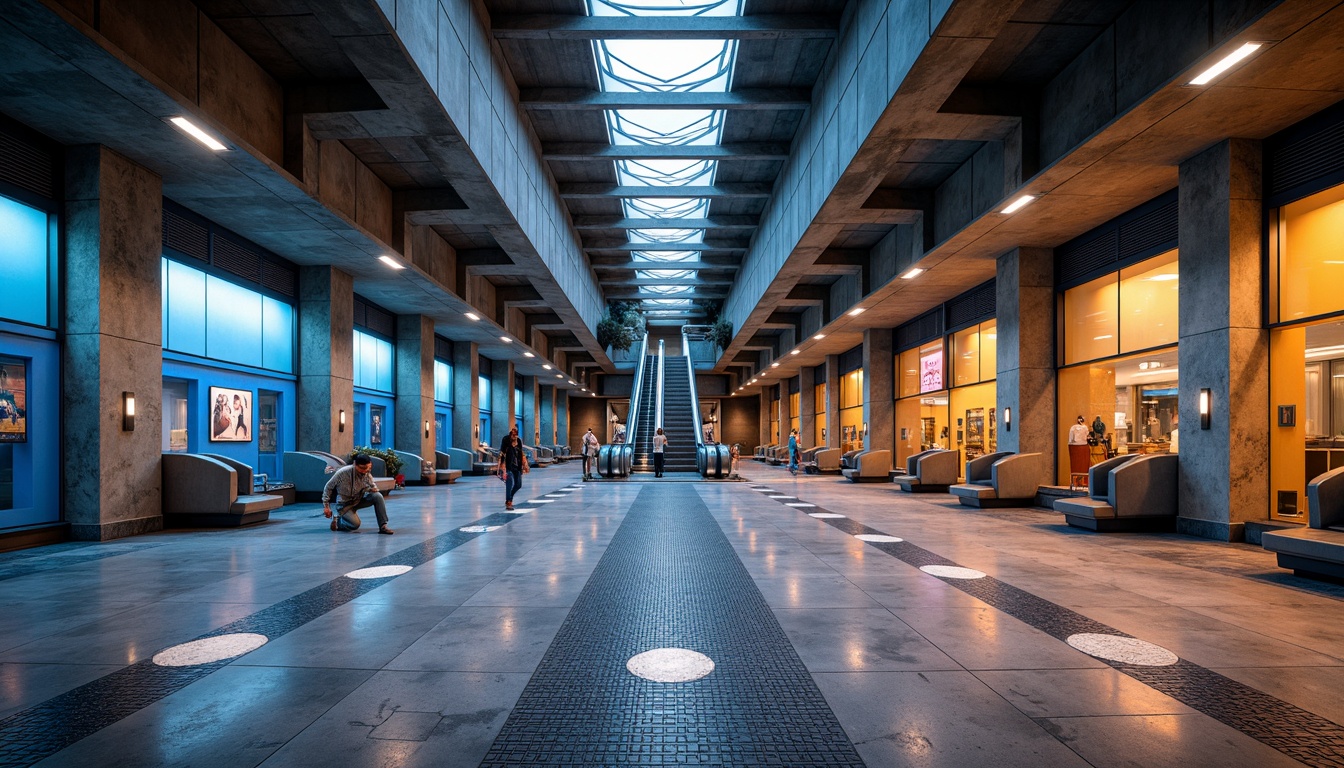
<point x="746" y="150"/>
<point x="574" y="27"/>
<point x="578" y="99"/>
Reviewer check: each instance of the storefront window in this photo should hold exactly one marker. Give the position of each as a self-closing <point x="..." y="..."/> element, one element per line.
<point x="1306" y="412"/>
<point x="208" y="317"/>
<point x="819" y="405"/>
<point x="774" y="417"/>
<point x="176" y="409"/>
<point x="974" y="354"/>
<point x="443" y="381"/>
<point x="1150" y="303"/>
<point x="851" y="410"/>
<point x="1310" y="259"/>
<point x="1091" y="327"/>
<point x="1135" y="399"/>
<point x="25" y="250"/>
<point x="795" y="415"/>
<point x="373" y="362"/>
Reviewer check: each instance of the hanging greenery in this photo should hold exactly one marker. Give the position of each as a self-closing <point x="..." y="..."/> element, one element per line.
<point x="621" y="326"/>
<point x="722" y="332"/>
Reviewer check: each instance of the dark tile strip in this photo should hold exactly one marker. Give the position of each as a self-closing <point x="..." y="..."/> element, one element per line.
<point x="670" y="578"/>
<point x="1302" y="735"/>
<point x="44" y="729"/>
<point x="28" y="562"/>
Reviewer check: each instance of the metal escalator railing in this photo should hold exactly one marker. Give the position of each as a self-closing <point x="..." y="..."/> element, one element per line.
<point x="712" y="460"/>
<point x="615" y="459"/>
<point x="658" y="414"/>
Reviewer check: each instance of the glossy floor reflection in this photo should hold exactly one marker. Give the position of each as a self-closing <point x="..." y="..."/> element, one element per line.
<point x="426" y="667"/>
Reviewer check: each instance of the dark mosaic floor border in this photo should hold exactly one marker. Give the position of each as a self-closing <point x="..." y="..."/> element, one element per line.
<point x="53" y="557"/>
<point x="1302" y="735"/>
<point x="44" y="729"/>
<point x="670" y="578"/>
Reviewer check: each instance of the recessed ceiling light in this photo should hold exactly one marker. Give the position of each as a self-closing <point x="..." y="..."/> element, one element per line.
<point x="528" y="354"/>
<point x="391" y="262"/>
<point x="819" y="336"/>
<point x="1102" y="338"/>
<point x="584" y="389"/>
<point x="473" y="316"/>
<point x="559" y="375"/>
<point x="190" y="128"/>
<point x="571" y="383"/>
<point x="1018" y="204"/>
<point x="1226" y="63"/>
<point x="506" y="339"/>
<point x="855" y="312"/>
<point x="546" y="367"/>
<point x="774" y="365"/>
<point x="794" y="352"/>
<point x="912" y="273"/>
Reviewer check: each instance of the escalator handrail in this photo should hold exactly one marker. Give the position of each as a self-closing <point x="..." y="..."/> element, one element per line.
<point x="658" y="414"/>
<point x="695" y="401"/>
<point x="630" y="420"/>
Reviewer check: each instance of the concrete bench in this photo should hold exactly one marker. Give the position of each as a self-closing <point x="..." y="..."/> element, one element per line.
<point x="848" y="458"/>
<point x="824" y="462"/>
<point x="1127" y="493"/>
<point x="413" y="468"/>
<point x="932" y="471"/>
<point x="1318" y="550"/>
<point x="444" y="472"/>
<point x="871" y="467"/>
<point x="538" y="456"/>
<point x="1002" y="479"/>
<point x="203" y="491"/>
<point x="310" y="471"/>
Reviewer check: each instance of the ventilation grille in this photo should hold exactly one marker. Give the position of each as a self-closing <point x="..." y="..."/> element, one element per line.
<point x="972" y="307"/>
<point x="1151" y="233"/>
<point x="374" y="318"/>
<point x="27" y="167"/>
<point x="851" y="360"/>
<point x="1318" y="154"/>
<point x="185" y="236"/>
<point x="926" y="327"/>
<point x="1078" y="261"/>
<point x="443" y="349"/>
<point x="279" y="278"/>
<point x="237" y="260"/>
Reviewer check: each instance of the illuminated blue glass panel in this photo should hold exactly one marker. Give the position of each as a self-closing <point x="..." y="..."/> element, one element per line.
<point x="184" y="312"/>
<point x="483" y="392"/>
<point x="24" y="252"/>
<point x="277" y="345"/>
<point x="373" y="362"/>
<point x="443" y="382"/>
<point x="232" y="322"/>
<point x="384" y="350"/>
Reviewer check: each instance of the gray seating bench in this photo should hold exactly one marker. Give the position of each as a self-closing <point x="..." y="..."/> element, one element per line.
<point x="1127" y="493"/>
<point x="413" y="469"/>
<point x="444" y="471"/>
<point x="203" y="490"/>
<point x="1316" y="551"/>
<point x="1002" y="479"/>
<point x="310" y="471"/>
<point x="931" y="471"/>
<point x="824" y="462"/>
<point x="808" y="458"/>
<point x="847" y="458"/>
<point x="870" y="467"/>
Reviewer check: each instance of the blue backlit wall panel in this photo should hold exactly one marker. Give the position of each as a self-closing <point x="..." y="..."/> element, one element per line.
<point x="373" y="362"/>
<point x="200" y="376"/>
<point x="207" y="316"/>
<point x="25" y="253"/>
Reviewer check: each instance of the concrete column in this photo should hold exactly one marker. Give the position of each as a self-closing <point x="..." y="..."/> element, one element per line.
<point x="501" y="397"/>
<point x="1026" y="354"/>
<point x="765" y="437"/>
<point x="537" y="434"/>
<point x="562" y="417"/>
<point x="879" y="397"/>
<point x="326" y="360"/>
<point x="807" y="405"/>
<point x="833" y="401"/>
<point x="1223" y="346"/>
<point x="466" y="395"/>
<point x="113" y="344"/>
<point x="783" y="414"/>
<point x="415" y="385"/>
<point x="547" y="401"/>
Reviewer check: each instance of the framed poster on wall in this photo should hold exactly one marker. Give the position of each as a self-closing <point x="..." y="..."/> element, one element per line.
<point x="377" y="414"/>
<point x="13" y="401"/>
<point x="230" y="415"/>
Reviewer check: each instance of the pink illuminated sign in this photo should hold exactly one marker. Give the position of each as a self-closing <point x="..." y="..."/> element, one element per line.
<point x="931" y="372"/>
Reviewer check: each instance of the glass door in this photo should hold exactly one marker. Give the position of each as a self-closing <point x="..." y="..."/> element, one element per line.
<point x="268" y="433"/>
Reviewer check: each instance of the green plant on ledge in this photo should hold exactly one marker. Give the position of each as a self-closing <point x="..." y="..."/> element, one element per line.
<point x="621" y="326"/>
<point x="390" y="458"/>
<point x="721" y="333"/>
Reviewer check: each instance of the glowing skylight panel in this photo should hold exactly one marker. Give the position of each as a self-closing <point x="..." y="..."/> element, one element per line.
<point x="667" y="236"/>
<point x="664" y="127"/>
<point x="666" y="208"/>
<point x="665" y="274"/>
<point x="666" y="173"/>
<point x="664" y="7"/>
<point x="664" y="66"/>
<point x="665" y="257"/>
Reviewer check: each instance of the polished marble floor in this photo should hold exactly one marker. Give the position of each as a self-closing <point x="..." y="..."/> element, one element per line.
<point x="507" y="643"/>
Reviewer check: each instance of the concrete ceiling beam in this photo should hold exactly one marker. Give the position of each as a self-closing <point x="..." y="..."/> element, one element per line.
<point x="599" y="190"/>
<point x="702" y="265"/>
<point x="745" y="150"/>
<point x="574" y="27"/>
<point x="620" y="222"/>
<point x="582" y="99"/>
<point x="710" y="246"/>
<point x="641" y="281"/>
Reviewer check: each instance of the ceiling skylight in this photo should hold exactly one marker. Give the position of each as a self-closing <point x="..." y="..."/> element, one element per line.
<point x="665" y="257"/>
<point x="665" y="173"/>
<point x="664" y="127"/>
<point x="665" y="274"/>
<point x="666" y="208"/>
<point x="665" y="7"/>
<point x="664" y="66"/>
<point x="667" y="290"/>
<point x="666" y="236"/>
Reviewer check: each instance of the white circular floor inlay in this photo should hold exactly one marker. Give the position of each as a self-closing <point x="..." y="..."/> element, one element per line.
<point x="1128" y="650"/>
<point x="799" y="504"/>
<point x="877" y="538"/>
<point x="380" y="572"/>
<point x="952" y="572"/>
<point x="670" y="665"/>
<point x="209" y="650"/>
<point x="480" y="528"/>
<point x="825" y="515"/>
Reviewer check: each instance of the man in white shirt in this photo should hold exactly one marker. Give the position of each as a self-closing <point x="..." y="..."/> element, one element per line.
<point x="659" y="443"/>
<point x="590" y="446"/>
<point x="1080" y="455"/>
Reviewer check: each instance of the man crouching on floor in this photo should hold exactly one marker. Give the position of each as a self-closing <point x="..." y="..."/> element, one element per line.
<point x="354" y="489"/>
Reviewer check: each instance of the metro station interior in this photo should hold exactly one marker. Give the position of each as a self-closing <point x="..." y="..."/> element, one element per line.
<point x="874" y="383"/>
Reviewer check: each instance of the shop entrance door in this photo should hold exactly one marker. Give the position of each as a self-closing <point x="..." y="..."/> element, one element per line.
<point x="268" y="433"/>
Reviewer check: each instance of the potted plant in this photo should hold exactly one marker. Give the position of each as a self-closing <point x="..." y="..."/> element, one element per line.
<point x="389" y="458"/>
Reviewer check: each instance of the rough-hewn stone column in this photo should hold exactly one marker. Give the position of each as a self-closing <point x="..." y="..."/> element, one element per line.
<point x="766" y="437"/>
<point x="833" y="401"/>
<point x="784" y="416"/>
<point x="807" y="406"/>
<point x="466" y="395"/>
<point x="537" y="431"/>
<point x="326" y="360"/>
<point x="562" y="417"/>
<point x="1026" y="353"/>
<point x="879" y="400"/>
<point x="548" y="420"/>
<point x="1223" y="346"/>
<point x="501" y="402"/>
<point x="113" y="344"/>
<point x="415" y="385"/>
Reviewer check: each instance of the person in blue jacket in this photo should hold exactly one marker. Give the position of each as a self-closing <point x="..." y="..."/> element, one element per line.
<point x="793" y="451"/>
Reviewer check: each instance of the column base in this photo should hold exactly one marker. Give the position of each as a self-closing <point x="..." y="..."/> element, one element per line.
<point x="119" y="529"/>
<point x="1211" y="529"/>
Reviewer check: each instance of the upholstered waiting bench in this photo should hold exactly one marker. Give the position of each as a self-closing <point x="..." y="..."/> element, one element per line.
<point x="444" y="471"/>
<point x="932" y="471"/>
<point x="824" y="462"/>
<point x="203" y="491"/>
<point x="1002" y="480"/>
<point x="848" y="458"/>
<point x="1317" y="550"/>
<point x="310" y="471"/>
<point x="1127" y="493"/>
<point x="870" y="467"/>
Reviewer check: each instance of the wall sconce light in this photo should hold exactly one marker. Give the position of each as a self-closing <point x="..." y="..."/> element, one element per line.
<point x="476" y="432"/>
<point x="1007" y="419"/>
<point x="1205" y="407"/>
<point x="865" y="427"/>
<point x="128" y="411"/>
<point x="426" y="429"/>
<point x="340" y="421"/>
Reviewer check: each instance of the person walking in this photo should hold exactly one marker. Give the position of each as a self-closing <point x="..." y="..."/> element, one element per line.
<point x="659" y="443"/>
<point x="353" y="489"/>
<point x="512" y="465"/>
<point x="793" y="452"/>
<point x="590" y="448"/>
